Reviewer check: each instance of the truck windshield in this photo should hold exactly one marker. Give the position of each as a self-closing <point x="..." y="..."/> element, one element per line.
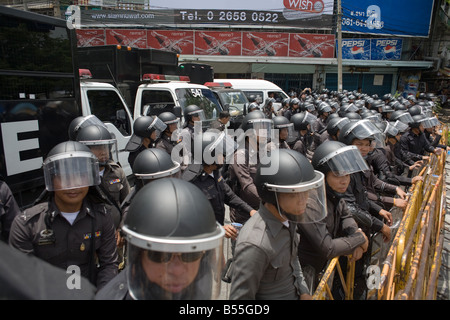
<point x="203" y="98"/>
<point x="235" y="99"/>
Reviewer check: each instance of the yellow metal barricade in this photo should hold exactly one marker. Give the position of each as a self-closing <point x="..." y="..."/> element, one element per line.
<point x="411" y="266"/>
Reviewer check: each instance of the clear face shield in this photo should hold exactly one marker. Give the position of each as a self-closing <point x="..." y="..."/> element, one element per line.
<point x="198" y="115"/>
<point x="302" y="203"/>
<point x="405" y="118"/>
<point x="262" y="128"/>
<point x="285" y="132"/>
<point x="391" y="130"/>
<point x="434" y="121"/>
<point x="174" y="269"/>
<point x="344" y="161"/>
<point x="104" y="150"/>
<point x="365" y="129"/>
<point x="70" y="171"/>
<point x="402" y="127"/>
<point x="173" y="125"/>
<point x="158" y="126"/>
<point x="427" y="123"/>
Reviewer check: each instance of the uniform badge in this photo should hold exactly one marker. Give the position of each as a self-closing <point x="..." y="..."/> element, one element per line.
<point x="47" y="236"/>
<point x="114" y="181"/>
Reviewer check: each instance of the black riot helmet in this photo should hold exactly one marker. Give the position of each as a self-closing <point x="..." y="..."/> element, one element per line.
<point x="143" y="127"/>
<point x="415" y="110"/>
<point x="171" y="224"/>
<point x="257" y="120"/>
<point x="72" y="164"/>
<point x="286" y="128"/>
<point x="339" y="158"/>
<point x="191" y="111"/>
<point x="80" y="122"/>
<point x="417" y="121"/>
<point x="401" y="115"/>
<point x="152" y="164"/>
<point x="361" y="130"/>
<point x="352" y="116"/>
<point x="336" y="124"/>
<point x="302" y="120"/>
<point x="168" y="118"/>
<point x="323" y="107"/>
<point x="289" y="172"/>
<point x="100" y="141"/>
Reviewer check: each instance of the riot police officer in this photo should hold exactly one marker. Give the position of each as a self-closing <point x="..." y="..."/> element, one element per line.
<point x="9" y="209"/>
<point x="205" y="174"/>
<point x="74" y="226"/>
<point x="146" y="131"/>
<point x="169" y="136"/>
<point x="291" y="192"/>
<point x="414" y="144"/>
<point x="286" y="134"/>
<point x="254" y="143"/>
<point x="174" y="246"/>
<point x="113" y="179"/>
<point x="337" y="234"/>
<point x="302" y="126"/>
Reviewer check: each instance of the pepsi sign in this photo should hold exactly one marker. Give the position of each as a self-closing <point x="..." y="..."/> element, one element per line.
<point x="386" y="49"/>
<point x="355" y="49"/>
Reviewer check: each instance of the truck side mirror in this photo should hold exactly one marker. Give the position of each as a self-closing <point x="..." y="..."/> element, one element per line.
<point x="177" y="111"/>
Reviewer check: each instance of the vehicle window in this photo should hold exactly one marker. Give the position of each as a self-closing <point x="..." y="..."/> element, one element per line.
<point x="278" y="95"/>
<point x="203" y="98"/>
<point x="155" y="102"/>
<point x="234" y="99"/>
<point x="108" y="107"/>
<point x="259" y="95"/>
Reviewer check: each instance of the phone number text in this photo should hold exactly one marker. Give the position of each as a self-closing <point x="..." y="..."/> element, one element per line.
<point x="228" y="16"/>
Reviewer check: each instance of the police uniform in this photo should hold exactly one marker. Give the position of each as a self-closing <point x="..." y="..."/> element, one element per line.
<point x="241" y="182"/>
<point x="266" y="265"/>
<point x="9" y="209"/>
<point x="44" y="232"/>
<point x="115" y="182"/>
<point x="165" y="143"/>
<point x="414" y="143"/>
<point x="331" y="237"/>
<point x="219" y="194"/>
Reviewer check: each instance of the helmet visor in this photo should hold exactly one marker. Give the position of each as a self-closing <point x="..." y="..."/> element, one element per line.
<point x="105" y="150"/>
<point x="434" y="121"/>
<point x="391" y="130"/>
<point x="165" y="275"/>
<point x="365" y="129"/>
<point x="71" y="171"/>
<point x="285" y="132"/>
<point x="346" y="160"/>
<point x="427" y="123"/>
<point x="262" y="127"/>
<point x="199" y="114"/>
<point x="158" y="126"/>
<point x="402" y="127"/>
<point x="304" y="202"/>
<point x="405" y="118"/>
